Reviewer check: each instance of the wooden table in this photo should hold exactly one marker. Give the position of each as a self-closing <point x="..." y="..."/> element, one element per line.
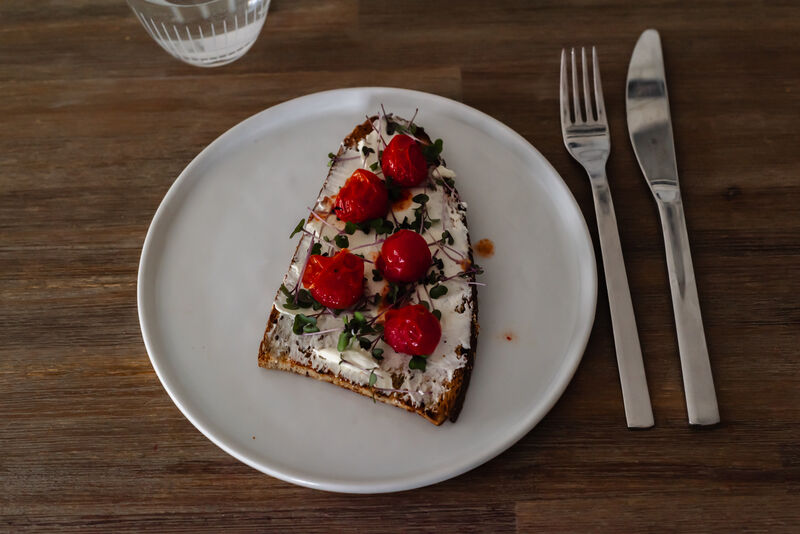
<point x="97" y="121"/>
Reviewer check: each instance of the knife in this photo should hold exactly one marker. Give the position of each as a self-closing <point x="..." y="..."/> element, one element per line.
<point x="650" y="130"/>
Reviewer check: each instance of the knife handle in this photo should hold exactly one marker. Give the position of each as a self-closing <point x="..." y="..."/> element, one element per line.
<point x="698" y="383"/>
<point x="635" y="395"/>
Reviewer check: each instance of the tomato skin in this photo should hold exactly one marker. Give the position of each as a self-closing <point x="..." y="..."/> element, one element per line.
<point x="336" y="282"/>
<point x="404" y="162"/>
<point x="362" y="197"/>
<point x="412" y="330"/>
<point x="405" y="257"/>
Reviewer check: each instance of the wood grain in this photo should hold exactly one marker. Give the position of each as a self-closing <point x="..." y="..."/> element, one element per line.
<point x="97" y="121"/>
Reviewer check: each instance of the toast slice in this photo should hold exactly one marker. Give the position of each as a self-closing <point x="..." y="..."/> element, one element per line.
<point x="364" y="363"/>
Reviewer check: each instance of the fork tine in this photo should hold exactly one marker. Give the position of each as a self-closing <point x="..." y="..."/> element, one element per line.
<point x="575" y="99"/>
<point x="598" y="88"/>
<point x="564" y="99"/>
<point x="587" y="96"/>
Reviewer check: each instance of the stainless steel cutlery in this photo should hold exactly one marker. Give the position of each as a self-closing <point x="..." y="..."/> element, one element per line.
<point x="650" y="129"/>
<point x="585" y="130"/>
<point x="584" y="126"/>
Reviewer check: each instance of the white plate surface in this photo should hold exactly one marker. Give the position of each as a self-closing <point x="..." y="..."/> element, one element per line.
<point x="218" y="248"/>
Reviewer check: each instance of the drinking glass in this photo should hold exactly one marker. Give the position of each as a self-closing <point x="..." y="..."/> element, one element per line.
<point x="205" y="33"/>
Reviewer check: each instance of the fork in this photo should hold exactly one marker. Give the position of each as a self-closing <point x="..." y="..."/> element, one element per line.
<point x="586" y="136"/>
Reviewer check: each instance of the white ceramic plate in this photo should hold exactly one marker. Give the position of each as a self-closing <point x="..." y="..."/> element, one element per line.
<point x="218" y="248"/>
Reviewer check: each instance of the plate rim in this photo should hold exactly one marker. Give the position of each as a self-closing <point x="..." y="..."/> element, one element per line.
<point x="554" y="392"/>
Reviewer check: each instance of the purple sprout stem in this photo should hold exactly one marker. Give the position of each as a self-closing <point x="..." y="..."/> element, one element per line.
<point x="372" y="321"/>
<point x="452" y="191"/>
<point x="396" y="222"/>
<point x="454" y="251"/>
<point x="413" y="117"/>
<point x="378" y="129"/>
<point x="323" y="221"/>
<point x="368" y="245"/>
<point x="457" y="275"/>
<point x="436" y="243"/>
<point x="328" y="331"/>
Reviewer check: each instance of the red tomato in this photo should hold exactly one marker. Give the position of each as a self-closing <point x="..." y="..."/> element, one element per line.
<point x="412" y="330"/>
<point x="403" y="161"/>
<point x="362" y="197"/>
<point x="405" y="257"/>
<point x="336" y="282"/>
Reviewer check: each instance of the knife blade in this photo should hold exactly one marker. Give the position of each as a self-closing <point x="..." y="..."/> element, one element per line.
<point x="650" y="130"/>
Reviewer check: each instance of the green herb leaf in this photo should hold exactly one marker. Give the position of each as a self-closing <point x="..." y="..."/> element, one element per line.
<point x="304" y="298"/>
<point x="376" y="275"/>
<point x="391" y="296"/>
<point x="437" y="291"/>
<point x="367" y="150"/>
<point x="422" y="198"/>
<point x="394" y="190"/>
<point x="298" y="228"/>
<point x="447" y="237"/>
<point x="316" y="249"/>
<point x="341" y="241"/>
<point x="377" y="353"/>
<point x="437" y="314"/>
<point x="381" y="226"/>
<point x="364" y="342"/>
<point x="372" y="378"/>
<point x="350" y="227"/>
<point x="426" y="305"/>
<point x="285" y="291"/>
<point x="344" y="340"/>
<point x="417" y="362"/>
<point x="366" y="330"/>
<point x="331" y="155"/>
<point x="364" y="227"/>
<point x="301" y="321"/>
<point x="359" y="317"/>
<point x="290" y="305"/>
<point x="374" y="166"/>
<point x="431" y="152"/>
<point x="310" y="328"/>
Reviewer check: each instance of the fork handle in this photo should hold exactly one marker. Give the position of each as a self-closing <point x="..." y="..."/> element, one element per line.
<point x="698" y="383"/>
<point x="635" y="395"/>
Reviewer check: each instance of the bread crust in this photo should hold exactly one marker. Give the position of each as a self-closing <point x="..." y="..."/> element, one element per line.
<point x="450" y="402"/>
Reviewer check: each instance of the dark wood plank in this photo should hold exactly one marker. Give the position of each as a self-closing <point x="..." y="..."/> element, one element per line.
<point x="98" y="120"/>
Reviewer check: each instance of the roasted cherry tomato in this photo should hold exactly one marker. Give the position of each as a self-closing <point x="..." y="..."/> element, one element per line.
<point x="412" y="330"/>
<point x="336" y="282"/>
<point x="404" y="162"/>
<point x="362" y="197"/>
<point x="405" y="257"/>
